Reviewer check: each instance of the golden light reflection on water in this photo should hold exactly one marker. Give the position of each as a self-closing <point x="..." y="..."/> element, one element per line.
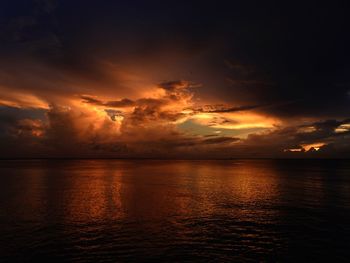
<point x="105" y="191"/>
<point x="94" y="193"/>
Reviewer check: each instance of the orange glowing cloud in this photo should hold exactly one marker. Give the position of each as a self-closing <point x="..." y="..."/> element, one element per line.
<point x="315" y="146"/>
<point x="236" y="120"/>
<point x="18" y="99"/>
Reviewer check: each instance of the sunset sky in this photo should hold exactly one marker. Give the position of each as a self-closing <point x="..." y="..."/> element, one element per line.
<point x="174" y="79"/>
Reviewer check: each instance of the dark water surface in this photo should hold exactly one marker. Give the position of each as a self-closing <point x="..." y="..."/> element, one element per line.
<point x="222" y="211"/>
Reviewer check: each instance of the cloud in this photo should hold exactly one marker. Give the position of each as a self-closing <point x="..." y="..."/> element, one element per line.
<point x="163" y="89"/>
<point x="150" y="125"/>
<point x="148" y="131"/>
<point x="173" y="86"/>
<point x="220" y="108"/>
<point x="29" y="128"/>
<point x="314" y="142"/>
<point x="111" y="104"/>
<point x="145" y="127"/>
<point x="220" y="140"/>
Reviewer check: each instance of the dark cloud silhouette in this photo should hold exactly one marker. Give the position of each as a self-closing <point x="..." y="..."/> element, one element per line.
<point x="224" y="108"/>
<point x="113" y="104"/>
<point x="220" y="140"/>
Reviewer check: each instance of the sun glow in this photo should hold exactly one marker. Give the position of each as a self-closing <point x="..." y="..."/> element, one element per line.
<point x="20" y="100"/>
<point x="235" y="121"/>
<point x="316" y="146"/>
<point x="343" y="128"/>
<point x="293" y="150"/>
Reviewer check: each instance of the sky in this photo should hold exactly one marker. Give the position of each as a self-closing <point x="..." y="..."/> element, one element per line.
<point x="174" y="79"/>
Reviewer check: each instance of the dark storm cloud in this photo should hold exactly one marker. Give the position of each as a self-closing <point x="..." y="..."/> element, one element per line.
<point x="302" y="51"/>
<point x="172" y="86"/>
<point x="224" y="108"/>
<point x="260" y="52"/>
<point x="175" y="90"/>
<point x="11" y="116"/>
<point x="220" y="140"/>
<point x="220" y="108"/>
<point x="41" y="53"/>
<point x="113" y="104"/>
<point x="30" y="28"/>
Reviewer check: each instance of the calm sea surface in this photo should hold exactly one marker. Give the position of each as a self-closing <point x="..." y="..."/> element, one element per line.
<point x="194" y="211"/>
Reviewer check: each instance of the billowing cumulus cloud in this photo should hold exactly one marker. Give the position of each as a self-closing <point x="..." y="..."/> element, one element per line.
<point x="147" y="126"/>
<point x="151" y="127"/>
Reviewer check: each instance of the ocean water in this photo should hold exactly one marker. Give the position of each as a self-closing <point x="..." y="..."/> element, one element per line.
<point x="175" y="211"/>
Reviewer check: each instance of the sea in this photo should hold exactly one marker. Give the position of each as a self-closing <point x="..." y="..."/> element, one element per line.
<point x="241" y="210"/>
